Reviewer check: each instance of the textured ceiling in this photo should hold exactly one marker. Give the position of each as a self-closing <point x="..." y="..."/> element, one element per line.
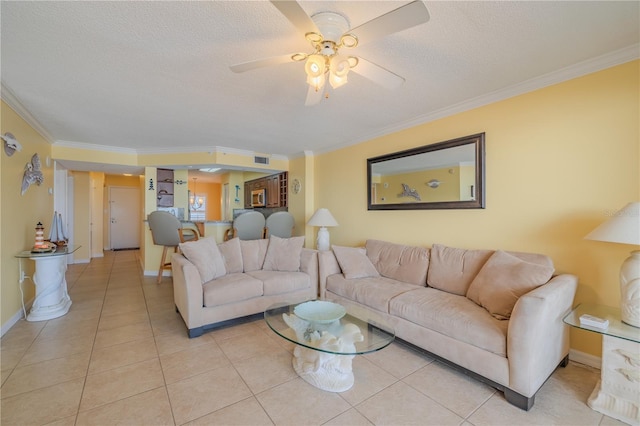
<point x="154" y="76"/>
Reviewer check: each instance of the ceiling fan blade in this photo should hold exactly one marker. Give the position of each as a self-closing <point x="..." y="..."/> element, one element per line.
<point x="314" y="96"/>
<point x="402" y="18"/>
<point x="259" y="63"/>
<point x="296" y="15"/>
<point x="377" y="74"/>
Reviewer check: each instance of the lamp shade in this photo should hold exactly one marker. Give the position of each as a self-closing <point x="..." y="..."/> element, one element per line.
<point x="322" y="217"/>
<point x="623" y="227"/>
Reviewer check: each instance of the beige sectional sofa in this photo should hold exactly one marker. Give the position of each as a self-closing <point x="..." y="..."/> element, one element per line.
<point x="214" y="283"/>
<point x="497" y="315"/>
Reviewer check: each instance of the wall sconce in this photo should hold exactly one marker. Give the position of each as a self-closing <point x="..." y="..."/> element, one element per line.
<point x="434" y="183"/>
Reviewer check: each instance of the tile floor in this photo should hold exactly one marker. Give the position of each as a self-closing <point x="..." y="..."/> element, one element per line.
<point x="121" y="356"/>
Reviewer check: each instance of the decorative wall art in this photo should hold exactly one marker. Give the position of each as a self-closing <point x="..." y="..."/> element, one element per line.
<point x="32" y="173"/>
<point x="409" y="192"/>
<point x="11" y="145"/>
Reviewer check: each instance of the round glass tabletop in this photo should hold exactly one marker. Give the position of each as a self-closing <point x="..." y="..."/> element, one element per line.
<point x="356" y="331"/>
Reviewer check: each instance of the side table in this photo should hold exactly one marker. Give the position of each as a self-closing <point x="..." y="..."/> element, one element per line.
<point x="617" y="394"/>
<point x="51" y="300"/>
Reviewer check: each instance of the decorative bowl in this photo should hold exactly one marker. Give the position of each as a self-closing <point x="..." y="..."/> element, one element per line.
<point x="319" y="311"/>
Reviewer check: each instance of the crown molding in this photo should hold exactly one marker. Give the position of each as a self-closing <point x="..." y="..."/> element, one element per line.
<point x="165" y="151"/>
<point x="94" y="147"/>
<point x="611" y="59"/>
<point x="12" y="100"/>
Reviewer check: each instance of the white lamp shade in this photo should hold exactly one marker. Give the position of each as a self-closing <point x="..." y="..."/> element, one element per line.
<point x="623" y="227"/>
<point x="322" y="217"/>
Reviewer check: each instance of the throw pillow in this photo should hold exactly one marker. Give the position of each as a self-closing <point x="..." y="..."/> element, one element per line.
<point x="354" y="262"/>
<point x="206" y="257"/>
<point x="232" y="255"/>
<point x="253" y="253"/>
<point x="283" y="254"/>
<point x="503" y="279"/>
<point x="452" y="269"/>
<point x="399" y="262"/>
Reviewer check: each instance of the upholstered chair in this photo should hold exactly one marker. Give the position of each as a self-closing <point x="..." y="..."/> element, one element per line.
<point x="167" y="231"/>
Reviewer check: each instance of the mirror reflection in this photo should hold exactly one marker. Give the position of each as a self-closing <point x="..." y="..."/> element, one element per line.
<point x="444" y="175"/>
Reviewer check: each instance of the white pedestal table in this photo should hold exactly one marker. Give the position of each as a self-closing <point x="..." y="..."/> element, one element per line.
<point x="52" y="299"/>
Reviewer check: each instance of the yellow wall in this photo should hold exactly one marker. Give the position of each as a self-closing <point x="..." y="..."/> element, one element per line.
<point x="558" y="161"/>
<point x="82" y="216"/>
<point x="213" y="192"/>
<point x="19" y="214"/>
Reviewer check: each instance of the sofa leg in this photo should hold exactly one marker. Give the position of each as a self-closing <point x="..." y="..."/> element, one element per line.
<point x="518" y="400"/>
<point x="565" y="361"/>
<point x="195" y="332"/>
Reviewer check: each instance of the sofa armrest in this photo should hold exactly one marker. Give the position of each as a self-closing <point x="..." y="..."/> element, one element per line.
<point x="187" y="290"/>
<point x="328" y="265"/>
<point x="537" y="338"/>
<point x="309" y="265"/>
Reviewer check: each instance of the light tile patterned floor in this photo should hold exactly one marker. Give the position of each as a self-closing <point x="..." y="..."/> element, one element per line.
<point x="121" y="356"/>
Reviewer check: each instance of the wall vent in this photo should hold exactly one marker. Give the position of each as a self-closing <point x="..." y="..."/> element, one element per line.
<point x="261" y="160"/>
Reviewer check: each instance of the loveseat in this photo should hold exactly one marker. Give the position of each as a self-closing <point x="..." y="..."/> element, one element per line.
<point x="496" y="315"/>
<point x="214" y="283"/>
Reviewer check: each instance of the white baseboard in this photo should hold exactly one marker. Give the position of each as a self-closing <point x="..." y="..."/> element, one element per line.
<point x="15" y="318"/>
<point x="585" y="358"/>
<point x="101" y="254"/>
<point x="154" y="273"/>
<point x="76" y="261"/>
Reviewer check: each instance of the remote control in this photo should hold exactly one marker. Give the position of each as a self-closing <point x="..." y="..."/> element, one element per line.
<point x="593" y="321"/>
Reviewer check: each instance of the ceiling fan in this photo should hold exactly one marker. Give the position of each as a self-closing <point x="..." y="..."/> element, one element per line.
<point x="328" y="33"/>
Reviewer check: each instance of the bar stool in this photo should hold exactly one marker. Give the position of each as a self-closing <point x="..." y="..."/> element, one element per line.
<point x="280" y="224"/>
<point x="167" y="231"/>
<point x="247" y="226"/>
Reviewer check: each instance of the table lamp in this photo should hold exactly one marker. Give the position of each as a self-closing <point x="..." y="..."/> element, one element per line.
<point x="322" y="218"/>
<point x="624" y="228"/>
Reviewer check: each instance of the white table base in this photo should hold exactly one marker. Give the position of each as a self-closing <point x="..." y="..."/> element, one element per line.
<point x="617" y="394"/>
<point x="329" y="372"/>
<point x="52" y="299"/>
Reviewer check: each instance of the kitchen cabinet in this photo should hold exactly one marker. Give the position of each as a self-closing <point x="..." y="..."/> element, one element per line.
<point x="275" y="187"/>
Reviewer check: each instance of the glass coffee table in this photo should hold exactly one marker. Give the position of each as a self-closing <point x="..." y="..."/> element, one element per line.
<point x="328" y="336"/>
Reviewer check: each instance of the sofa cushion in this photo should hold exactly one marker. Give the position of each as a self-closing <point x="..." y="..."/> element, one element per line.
<point x="276" y="282"/>
<point x="253" y="252"/>
<point x="231" y="288"/>
<point x="376" y="293"/>
<point x="399" y="262"/>
<point x="503" y="279"/>
<point x="354" y="262"/>
<point x="454" y="316"/>
<point x="206" y="257"/>
<point x="452" y="269"/>
<point x="232" y="255"/>
<point x="283" y="254"/>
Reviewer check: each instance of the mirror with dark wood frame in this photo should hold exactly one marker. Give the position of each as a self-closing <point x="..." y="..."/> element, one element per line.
<point x="444" y="175"/>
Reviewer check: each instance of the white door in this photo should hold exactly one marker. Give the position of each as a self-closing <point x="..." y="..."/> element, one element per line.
<point x="124" y="214"/>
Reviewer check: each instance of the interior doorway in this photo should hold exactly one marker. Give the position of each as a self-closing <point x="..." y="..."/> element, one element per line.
<point x="124" y="218"/>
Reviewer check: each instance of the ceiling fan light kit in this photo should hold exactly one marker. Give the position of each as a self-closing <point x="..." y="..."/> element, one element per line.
<point x="327" y="33"/>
